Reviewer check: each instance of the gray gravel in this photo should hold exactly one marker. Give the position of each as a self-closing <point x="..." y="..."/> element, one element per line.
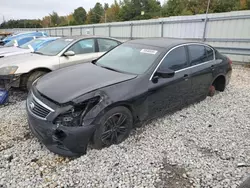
<point x="204" y="145"/>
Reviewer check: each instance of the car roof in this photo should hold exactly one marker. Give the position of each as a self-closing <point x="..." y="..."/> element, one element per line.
<point x="87" y="36"/>
<point x="166" y="43"/>
<point x="21" y="35"/>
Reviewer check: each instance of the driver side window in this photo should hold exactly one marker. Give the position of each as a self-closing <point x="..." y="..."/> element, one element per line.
<point x="83" y="47"/>
<point x="175" y="60"/>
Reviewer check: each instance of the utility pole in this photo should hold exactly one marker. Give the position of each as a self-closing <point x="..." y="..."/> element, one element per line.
<point x="208" y="4"/>
<point x="3" y="18"/>
<point x="206" y="19"/>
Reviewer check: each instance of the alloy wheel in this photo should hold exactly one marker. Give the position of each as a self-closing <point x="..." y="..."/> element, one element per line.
<point x="115" y="129"/>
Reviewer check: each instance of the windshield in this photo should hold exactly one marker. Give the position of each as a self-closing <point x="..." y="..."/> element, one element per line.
<point x="133" y="59"/>
<point x="10" y="43"/>
<point x="8" y="37"/>
<point x="33" y="43"/>
<point x="54" y="47"/>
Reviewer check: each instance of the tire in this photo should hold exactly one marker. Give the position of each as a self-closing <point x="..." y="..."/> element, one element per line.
<point x="32" y="77"/>
<point x="109" y="131"/>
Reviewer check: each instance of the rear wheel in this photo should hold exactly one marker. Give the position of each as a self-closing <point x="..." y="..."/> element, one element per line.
<point x="32" y="77"/>
<point x="114" y="127"/>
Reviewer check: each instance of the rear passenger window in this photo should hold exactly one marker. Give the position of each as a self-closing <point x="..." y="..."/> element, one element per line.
<point x="210" y="53"/>
<point x="199" y="54"/>
<point x="83" y="46"/>
<point x="176" y="59"/>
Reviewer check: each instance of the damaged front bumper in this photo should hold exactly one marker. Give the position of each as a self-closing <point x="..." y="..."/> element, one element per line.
<point x="65" y="141"/>
<point x="62" y="140"/>
<point x="8" y="81"/>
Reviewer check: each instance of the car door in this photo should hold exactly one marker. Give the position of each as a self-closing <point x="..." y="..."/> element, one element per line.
<point x="84" y="51"/>
<point x="105" y="45"/>
<point x="202" y="64"/>
<point x="170" y="93"/>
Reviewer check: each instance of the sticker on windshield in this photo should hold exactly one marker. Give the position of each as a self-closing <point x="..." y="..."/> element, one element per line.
<point x="68" y="40"/>
<point x="147" y="51"/>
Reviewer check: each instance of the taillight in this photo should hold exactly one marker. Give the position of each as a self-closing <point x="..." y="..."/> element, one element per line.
<point x="230" y="61"/>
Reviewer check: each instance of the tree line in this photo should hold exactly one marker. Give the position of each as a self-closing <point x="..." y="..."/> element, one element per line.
<point x="127" y="10"/>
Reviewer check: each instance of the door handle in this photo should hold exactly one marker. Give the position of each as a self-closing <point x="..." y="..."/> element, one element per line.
<point x="212" y="67"/>
<point x="185" y="77"/>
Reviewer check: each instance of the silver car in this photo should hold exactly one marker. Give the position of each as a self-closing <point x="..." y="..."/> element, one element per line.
<point x="22" y="70"/>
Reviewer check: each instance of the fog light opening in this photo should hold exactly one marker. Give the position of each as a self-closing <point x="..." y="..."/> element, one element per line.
<point x="60" y="135"/>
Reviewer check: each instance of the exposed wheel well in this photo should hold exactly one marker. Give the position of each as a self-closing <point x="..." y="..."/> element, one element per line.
<point x="220" y="83"/>
<point x="135" y="117"/>
<point x="40" y="69"/>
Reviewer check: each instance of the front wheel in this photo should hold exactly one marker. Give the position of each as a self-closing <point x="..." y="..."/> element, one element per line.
<point x="114" y="127"/>
<point x="32" y="77"/>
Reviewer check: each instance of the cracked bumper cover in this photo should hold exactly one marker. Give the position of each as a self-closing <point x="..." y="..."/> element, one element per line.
<point x="65" y="141"/>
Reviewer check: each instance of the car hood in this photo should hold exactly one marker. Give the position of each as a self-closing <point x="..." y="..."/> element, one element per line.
<point x="66" y="84"/>
<point x="23" y="59"/>
<point x="7" y="51"/>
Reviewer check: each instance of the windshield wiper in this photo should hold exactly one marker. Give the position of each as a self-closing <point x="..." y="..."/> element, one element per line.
<point x="109" y="68"/>
<point x="94" y="61"/>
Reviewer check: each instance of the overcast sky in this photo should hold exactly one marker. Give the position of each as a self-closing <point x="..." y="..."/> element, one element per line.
<point x="31" y="9"/>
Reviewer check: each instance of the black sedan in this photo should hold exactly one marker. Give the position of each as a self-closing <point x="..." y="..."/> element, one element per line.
<point x="101" y="101"/>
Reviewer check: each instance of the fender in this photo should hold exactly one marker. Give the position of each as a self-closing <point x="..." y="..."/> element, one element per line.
<point x="221" y="74"/>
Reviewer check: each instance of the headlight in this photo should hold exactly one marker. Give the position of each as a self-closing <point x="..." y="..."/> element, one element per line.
<point x="75" y="116"/>
<point x="8" y="70"/>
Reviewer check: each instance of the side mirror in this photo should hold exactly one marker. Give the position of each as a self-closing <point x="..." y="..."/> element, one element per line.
<point x="69" y="53"/>
<point x="165" y="73"/>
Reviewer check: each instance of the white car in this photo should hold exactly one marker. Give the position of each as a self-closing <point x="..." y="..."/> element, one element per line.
<point x="22" y="70"/>
<point x="28" y="47"/>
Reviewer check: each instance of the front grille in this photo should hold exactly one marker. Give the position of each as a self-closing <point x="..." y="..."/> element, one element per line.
<point x="38" y="108"/>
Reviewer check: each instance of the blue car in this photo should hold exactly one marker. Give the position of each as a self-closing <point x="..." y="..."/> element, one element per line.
<point x="25" y="34"/>
<point x="28" y="47"/>
<point x="18" y="41"/>
<point x="37" y="43"/>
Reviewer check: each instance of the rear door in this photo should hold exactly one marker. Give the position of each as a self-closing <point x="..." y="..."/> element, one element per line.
<point x="105" y="45"/>
<point x="202" y="64"/>
<point x="85" y="50"/>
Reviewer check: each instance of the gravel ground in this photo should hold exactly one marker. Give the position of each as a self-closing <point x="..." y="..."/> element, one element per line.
<point x="203" y="145"/>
